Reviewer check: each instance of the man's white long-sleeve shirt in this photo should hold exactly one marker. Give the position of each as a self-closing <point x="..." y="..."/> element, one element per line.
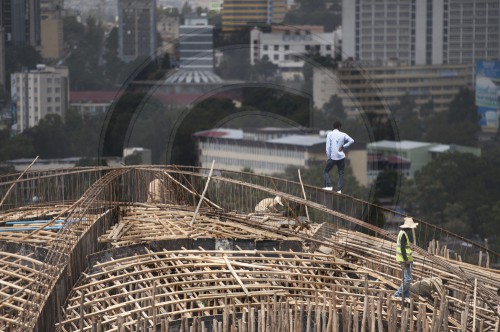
<point x="334" y="141"/>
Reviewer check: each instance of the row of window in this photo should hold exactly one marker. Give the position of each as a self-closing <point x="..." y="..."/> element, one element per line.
<point x="56" y="80"/>
<point x="241" y="163"/>
<point x="206" y="146"/>
<point x="49" y="99"/>
<point x="287" y="47"/>
<point x="56" y="109"/>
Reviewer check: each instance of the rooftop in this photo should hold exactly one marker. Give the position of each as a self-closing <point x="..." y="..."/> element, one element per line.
<point x="400" y="145"/>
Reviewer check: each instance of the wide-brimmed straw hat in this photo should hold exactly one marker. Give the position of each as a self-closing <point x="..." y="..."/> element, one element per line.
<point x="409" y="223"/>
<point x="277" y="199"/>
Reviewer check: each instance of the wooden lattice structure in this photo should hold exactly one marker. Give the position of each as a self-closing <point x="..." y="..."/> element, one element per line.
<point x="132" y="248"/>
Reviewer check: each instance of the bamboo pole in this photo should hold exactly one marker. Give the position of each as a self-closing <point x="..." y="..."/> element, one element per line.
<point x="203" y="193"/>
<point x="18" y="178"/>
<point x="305" y="196"/>
<point x="475" y="306"/>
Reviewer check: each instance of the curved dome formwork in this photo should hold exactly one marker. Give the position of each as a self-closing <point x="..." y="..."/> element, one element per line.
<point x="170" y="249"/>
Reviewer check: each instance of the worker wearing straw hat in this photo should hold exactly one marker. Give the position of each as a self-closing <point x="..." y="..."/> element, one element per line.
<point x="404" y="256"/>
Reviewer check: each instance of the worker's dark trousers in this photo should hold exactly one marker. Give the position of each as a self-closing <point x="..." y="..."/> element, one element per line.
<point x="340" y="166"/>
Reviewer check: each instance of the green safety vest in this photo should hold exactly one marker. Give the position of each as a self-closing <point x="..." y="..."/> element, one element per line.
<point x="399" y="256"/>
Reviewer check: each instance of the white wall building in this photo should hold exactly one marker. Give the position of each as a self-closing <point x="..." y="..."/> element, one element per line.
<point x="38" y="93"/>
<point x="421" y="32"/>
<point x="196" y="41"/>
<point x="286" y="46"/>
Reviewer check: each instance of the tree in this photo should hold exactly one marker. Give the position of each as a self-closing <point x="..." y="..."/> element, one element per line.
<point x="203" y="116"/>
<point x="463" y="108"/>
<point x="18" y="58"/>
<point x="133" y="159"/>
<point x="20" y="146"/>
<point x="334" y="109"/>
<point x="264" y="69"/>
<point x="406" y="119"/>
<point x="186" y="9"/>
<point x="387" y="183"/>
<point x="456" y="180"/>
<point x="49" y="139"/>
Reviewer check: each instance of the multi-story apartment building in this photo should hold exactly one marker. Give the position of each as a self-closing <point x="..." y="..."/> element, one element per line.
<point x="196" y="49"/>
<point x="240" y="13"/>
<point x="3" y="77"/>
<point x="38" y="93"/>
<point x="136" y="29"/>
<point x="271" y="150"/>
<point x="421" y="32"/>
<point x="374" y="89"/>
<point x="285" y="46"/>
<point x="21" y="20"/>
<point x="232" y="149"/>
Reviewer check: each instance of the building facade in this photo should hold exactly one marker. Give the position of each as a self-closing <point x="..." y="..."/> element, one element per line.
<point x="421" y="32"/>
<point x="233" y="150"/>
<point x="168" y="28"/>
<point x="196" y="44"/>
<point x="91" y="102"/>
<point x="136" y="29"/>
<point x="3" y="74"/>
<point x="52" y="34"/>
<point x="240" y="13"/>
<point x="38" y="93"/>
<point x="21" y="21"/>
<point x="407" y="157"/>
<point x="285" y="46"/>
<point x="373" y="89"/>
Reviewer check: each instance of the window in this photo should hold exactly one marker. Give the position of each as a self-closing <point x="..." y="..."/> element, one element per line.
<point x="276" y="57"/>
<point x="276" y="47"/>
<point x="287" y="47"/>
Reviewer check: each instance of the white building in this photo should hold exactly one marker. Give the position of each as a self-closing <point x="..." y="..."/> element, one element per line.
<point x="271" y="150"/>
<point x="232" y="149"/>
<point x="196" y="44"/>
<point x="38" y="93"/>
<point x="285" y="46"/>
<point x="421" y="32"/>
<point x="136" y="29"/>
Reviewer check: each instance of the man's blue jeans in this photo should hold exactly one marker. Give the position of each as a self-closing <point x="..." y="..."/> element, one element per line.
<point x="340" y="165"/>
<point x="406" y="281"/>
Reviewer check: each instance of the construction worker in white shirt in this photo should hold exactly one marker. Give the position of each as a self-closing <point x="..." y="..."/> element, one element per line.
<point x="336" y="142"/>
<point x="404" y="256"/>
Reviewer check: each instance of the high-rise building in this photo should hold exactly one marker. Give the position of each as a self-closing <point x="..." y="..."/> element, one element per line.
<point x="38" y="93"/>
<point x="3" y="77"/>
<point x="21" y="20"/>
<point x="52" y="34"/>
<point x="376" y="89"/>
<point x="421" y="32"/>
<point x="240" y="13"/>
<point x="196" y="48"/>
<point x="136" y="29"/>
